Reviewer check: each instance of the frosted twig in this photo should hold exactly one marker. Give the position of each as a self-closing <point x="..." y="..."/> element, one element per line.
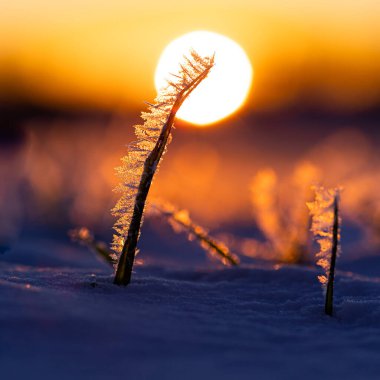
<point x="180" y="222"/>
<point x="84" y="236"/>
<point x="144" y="157"/>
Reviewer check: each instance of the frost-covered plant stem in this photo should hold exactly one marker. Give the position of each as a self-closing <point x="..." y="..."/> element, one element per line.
<point x="187" y="84"/>
<point x="85" y="237"/>
<point x="326" y="223"/>
<point x="181" y="222"/>
<point x="334" y="252"/>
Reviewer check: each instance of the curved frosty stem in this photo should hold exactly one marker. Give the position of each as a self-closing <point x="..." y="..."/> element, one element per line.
<point x="127" y="257"/>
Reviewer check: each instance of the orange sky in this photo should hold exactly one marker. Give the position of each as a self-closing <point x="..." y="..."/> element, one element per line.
<point x="103" y="52"/>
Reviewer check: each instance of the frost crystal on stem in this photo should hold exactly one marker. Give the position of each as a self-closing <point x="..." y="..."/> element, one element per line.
<point x="144" y="155"/>
<point x="326" y="223"/>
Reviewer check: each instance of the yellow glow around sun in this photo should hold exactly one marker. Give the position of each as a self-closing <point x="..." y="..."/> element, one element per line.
<point x="227" y="85"/>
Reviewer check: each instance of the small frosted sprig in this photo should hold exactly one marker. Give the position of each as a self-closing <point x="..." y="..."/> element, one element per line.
<point x="326" y="222"/>
<point x="144" y="155"/>
<point x="84" y="237"/>
<point x="180" y="221"/>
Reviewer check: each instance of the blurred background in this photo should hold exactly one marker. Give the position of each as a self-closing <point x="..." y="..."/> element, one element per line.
<point x="74" y="75"/>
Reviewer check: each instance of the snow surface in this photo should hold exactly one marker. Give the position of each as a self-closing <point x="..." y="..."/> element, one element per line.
<point x="62" y="318"/>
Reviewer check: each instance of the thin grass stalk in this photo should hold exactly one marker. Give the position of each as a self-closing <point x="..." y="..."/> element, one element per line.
<point x="180" y="218"/>
<point x="84" y="237"/>
<point x="127" y="257"/>
<point x="334" y="251"/>
<point x="213" y="244"/>
<point x="325" y="226"/>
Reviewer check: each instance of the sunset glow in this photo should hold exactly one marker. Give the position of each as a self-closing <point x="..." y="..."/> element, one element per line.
<point x="227" y="85"/>
<point x="103" y="54"/>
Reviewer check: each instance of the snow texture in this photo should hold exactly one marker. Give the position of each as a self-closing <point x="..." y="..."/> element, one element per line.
<point x="62" y="318"/>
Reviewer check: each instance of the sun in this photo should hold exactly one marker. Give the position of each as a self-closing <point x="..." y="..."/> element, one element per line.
<point x="227" y="86"/>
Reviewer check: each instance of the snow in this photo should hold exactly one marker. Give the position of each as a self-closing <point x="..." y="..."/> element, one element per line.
<point x="62" y="318"/>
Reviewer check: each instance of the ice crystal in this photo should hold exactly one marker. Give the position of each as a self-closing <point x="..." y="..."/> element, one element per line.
<point x="180" y="221"/>
<point x="324" y="212"/>
<point x="144" y="155"/>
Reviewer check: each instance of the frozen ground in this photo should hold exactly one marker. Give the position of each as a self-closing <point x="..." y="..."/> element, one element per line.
<point x="62" y="318"/>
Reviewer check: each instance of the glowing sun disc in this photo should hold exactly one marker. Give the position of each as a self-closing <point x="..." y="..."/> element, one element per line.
<point x="226" y="87"/>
